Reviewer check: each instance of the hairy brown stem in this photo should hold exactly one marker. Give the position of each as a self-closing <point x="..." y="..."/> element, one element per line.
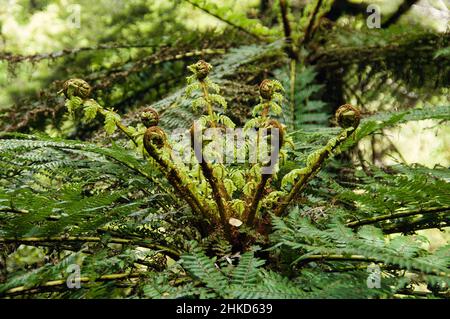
<point x="176" y="181"/>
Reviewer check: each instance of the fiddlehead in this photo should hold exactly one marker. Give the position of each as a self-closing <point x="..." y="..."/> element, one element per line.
<point x="149" y="117"/>
<point x="155" y="143"/>
<point x="348" y="118"/>
<point x="201" y="82"/>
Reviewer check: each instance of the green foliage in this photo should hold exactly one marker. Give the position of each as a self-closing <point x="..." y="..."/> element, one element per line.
<point x="304" y="111"/>
<point x="341" y="243"/>
<point x="245" y="280"/>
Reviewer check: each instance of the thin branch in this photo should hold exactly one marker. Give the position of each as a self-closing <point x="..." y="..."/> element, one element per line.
<point x="422" y="43"/>
<point x="62" y="282"/>
<point x="12" y="210"/>
<point x="171" y="252"/>
<point x="423" y="294"/>
<point x="336" y="257"/>
<point x="250" y="212"/>
<point x="439" y="221"/>
<point x="380" y="218"/>
<point x="402" y="9"/>
<point x="176" y="180"/>
<point x="16" y="58"/>
<point x="358" y="258"/>
<point x="292" y="80"/>
<point x="293" y="55"/>
<point x="226" y="21"/>
<point x="290" y="49"/>
<point x="310" y="28"/>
